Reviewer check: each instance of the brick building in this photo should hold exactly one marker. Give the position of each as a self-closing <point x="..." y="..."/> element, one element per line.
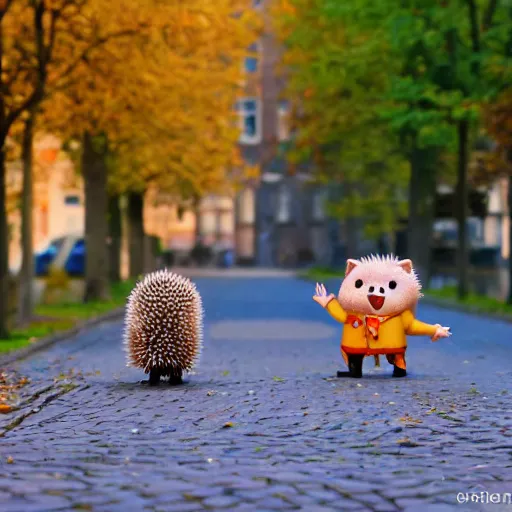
<point x="279" y="218"/>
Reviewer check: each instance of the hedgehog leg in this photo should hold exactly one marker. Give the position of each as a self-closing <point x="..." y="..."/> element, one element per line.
<point x="175" y="379"/>
<point x="154" y="377"/>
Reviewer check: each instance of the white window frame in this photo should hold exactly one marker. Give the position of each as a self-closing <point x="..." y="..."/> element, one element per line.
<point x="284" y="205"/>
<point x="319" y="202"/>
<point x="242" y="114"/>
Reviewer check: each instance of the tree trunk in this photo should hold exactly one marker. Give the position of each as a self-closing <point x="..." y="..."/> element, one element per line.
<point x="135" y="211"/>
<point x="115" y="235"/>
<point x="422" y="193"/>
<point x="26" y="278"/>
<point x="197" y="215"/>
<point x="4" y="250"/>
<point x="94" y="170"/>
<point x="462" y="210"/>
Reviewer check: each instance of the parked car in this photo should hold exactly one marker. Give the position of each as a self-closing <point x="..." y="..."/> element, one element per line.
<point x="75" y="264"/>
<point x="67" y="252"/>
<point x="43" y="259"/>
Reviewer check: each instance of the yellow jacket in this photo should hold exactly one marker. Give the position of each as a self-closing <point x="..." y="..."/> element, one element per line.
<point x="391" y="332"/>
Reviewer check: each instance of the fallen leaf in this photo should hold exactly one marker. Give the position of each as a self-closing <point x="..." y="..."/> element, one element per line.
<point x="4" y="408"/>
<point x="409" y="419"/>
<point x="229" y="424"/>
<point x="278" y="379"/>
<point x="225" y="373"/>
<point x="10" y="460"/>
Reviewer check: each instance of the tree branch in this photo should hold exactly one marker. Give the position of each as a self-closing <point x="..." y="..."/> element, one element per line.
<point x="3" y="11"/>
<point x="489" y="14"/>
<point x="85" y="53"/>
<point x="475" y="34"/>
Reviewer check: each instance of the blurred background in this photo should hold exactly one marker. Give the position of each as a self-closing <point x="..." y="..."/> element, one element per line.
<point x="275" y="133"/>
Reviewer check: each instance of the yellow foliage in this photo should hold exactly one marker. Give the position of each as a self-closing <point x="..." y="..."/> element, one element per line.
<point x="162" y="88"/>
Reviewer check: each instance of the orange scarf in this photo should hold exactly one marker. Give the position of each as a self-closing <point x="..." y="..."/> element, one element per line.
<point x="371" y="322"/>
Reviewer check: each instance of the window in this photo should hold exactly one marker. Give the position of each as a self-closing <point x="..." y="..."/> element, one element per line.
<point x="319" y="199"/>
<point x="249" y="112"/>
<point x="284" y="203"/>
<point x="72" y="200"/>
<point x="251" y="61"/>
<point x="283" y="121"/>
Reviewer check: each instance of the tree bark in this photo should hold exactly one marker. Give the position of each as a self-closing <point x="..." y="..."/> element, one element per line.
<point x="135" y="211"/>
<point x="26" y="278"/>
<point x="422" y="193"/>
<point x="462" y="210"/>
<point x="4" y="250"/>
<point x="198" y="219"/>
<point x="94" y="170"/>
<point x="115" y="234"/>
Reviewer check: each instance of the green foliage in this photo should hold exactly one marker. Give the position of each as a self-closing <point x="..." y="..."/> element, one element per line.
<point x="374" y="80"/>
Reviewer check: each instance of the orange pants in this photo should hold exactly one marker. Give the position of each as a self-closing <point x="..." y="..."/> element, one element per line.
<point x="395" y="359"/>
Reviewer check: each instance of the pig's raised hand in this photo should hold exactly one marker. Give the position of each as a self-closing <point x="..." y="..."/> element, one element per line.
<point x="321" y="295"/>
<point x="442" y="332"/>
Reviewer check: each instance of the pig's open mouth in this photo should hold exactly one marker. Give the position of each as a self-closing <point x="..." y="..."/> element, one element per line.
<point x="377" y="301"/>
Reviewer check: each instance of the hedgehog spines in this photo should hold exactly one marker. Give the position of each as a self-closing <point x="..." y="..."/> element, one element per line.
<point x="163" y="330"/>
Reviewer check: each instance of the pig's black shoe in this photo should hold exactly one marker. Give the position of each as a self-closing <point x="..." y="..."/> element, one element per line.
<point x="399" y="372"/>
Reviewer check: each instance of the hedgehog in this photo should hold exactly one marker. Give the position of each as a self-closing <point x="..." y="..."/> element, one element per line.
<point x="163" y="331"/>
<point x="376" y="303"/>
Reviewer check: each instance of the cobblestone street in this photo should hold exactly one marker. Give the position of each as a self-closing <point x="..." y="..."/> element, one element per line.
<point x="264" y="424"/>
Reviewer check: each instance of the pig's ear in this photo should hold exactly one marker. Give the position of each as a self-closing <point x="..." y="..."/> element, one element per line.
<point x="351" y="265"/>
<point x="406" y="265"/>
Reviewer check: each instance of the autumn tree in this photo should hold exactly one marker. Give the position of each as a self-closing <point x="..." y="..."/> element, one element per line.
<point x="160" y="102"/>
<point x="494" y="161"/>
<point x="27" y="38"/>
<point x="42" y="44"/>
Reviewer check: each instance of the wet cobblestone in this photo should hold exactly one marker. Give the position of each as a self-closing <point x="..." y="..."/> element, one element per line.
<point x="263" y="425"/>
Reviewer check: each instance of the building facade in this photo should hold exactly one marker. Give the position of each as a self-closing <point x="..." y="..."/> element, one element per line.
<point x="280" y="216"/>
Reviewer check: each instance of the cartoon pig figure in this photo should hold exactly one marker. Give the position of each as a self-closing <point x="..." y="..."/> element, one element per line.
<point x="376" y="303"/>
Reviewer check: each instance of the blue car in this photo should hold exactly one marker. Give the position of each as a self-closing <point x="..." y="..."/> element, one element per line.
<point x="75" y="264"/>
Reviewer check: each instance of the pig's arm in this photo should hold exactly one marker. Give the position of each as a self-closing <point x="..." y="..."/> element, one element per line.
<point x="336" y="311"/>
<point x="415" y="327"/>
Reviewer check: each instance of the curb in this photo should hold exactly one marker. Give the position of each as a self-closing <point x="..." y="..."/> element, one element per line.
<point x="462" y="308"/>
<point x="48" y="341"/>
<point x="442" y="303"/>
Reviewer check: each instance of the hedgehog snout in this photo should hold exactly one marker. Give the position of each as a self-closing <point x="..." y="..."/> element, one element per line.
<point x="376" y="290"/>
